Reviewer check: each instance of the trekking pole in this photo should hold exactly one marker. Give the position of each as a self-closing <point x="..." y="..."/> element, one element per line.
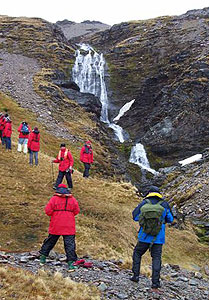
<point x="52" y="173"/>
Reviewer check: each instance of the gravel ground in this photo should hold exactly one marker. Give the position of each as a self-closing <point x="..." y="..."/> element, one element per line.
<point x="113" y="282"/>
<point x="16" y="80"/>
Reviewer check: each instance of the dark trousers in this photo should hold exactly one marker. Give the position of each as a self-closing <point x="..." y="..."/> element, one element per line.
<point x="87" y="167"/>
<point x="69" y="244"/>
<point x="35" y="154"/>
<point x="156" y="253"/>
<point x="67" y="176"/>
<point x="8" y="143"/>
<point x="3" y="139"/>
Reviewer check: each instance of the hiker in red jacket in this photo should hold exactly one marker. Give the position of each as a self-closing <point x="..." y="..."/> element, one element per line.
<point x="62" y="208"/>
<point x="2" y="125"/>
<point x="34" y="145"/>
<point x="86" y="157"/>
<point x="7" y="132"/>
<point x="65" y="160"/>
<point x="24" y="131"/>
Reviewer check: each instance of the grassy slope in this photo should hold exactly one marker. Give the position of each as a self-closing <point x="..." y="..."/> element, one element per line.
<point x="104" y="228"/>
<point x="23" y="285"/>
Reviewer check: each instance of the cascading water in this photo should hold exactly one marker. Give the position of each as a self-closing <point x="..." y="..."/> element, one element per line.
<point x="138" y="156"/>
<point x="88" y="73"/>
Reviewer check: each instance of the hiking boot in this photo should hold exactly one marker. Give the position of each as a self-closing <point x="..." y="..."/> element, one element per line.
<point x="156" y="290"/>
<point x="134" y="278"/>
<point x="42" y="259"/>
<point x="71" y="266"/>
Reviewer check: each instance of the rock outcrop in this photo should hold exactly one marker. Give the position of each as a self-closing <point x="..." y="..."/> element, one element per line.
<point x="163" y="64"/>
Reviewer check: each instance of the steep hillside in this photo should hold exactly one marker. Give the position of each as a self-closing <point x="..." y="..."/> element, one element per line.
<point x="105" y="228"/>
<point x="163" y="64"/>
<point x="35" y="60"/>
<point x="33" y="55"/>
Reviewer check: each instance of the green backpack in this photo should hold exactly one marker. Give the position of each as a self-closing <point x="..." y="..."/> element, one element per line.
<point x="151" y="217"/>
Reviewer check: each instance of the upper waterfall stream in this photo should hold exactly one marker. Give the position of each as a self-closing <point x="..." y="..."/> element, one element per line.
<point x="89" y="74"/>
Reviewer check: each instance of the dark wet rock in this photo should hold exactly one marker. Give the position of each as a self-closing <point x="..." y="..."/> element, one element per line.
<point x="88" y="101"/>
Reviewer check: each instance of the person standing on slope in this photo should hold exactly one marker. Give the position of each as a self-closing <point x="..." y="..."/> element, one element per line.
<point x="24" y="131"/>
<point x="34" y="145"/>
<point x="7" y="133"/>
<point x="86" y="157"/>
<point x="152" y="213"/>
<point x="2" y="125"/>
<point x="62" y="208"/>
<point x="65" y="160"/>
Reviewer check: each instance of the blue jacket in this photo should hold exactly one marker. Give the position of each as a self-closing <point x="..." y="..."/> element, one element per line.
<point x="167" y="217"/>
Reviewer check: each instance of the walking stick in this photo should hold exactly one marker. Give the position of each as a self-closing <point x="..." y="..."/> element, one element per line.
<point x="52" y="173"/>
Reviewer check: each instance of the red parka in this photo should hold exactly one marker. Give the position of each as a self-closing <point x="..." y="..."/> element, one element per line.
<point x="2" y="122"/>
<point x="7" y="131"/>
<point x="34" y="141"/>
<point x="65" y="159"/>
<point x="86" y="157"/>
<point x="62" y="208"/>
<point x="21" y="135"/>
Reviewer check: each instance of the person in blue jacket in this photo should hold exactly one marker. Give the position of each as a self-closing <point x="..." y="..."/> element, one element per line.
<point x="147" y="241"/>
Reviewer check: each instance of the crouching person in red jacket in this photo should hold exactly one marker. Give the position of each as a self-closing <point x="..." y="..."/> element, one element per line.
<point x="62" y="208"/>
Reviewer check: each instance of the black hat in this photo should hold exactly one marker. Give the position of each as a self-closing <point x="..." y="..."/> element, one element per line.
<point x="62" y="145"/>
<point x="153" y="189"/>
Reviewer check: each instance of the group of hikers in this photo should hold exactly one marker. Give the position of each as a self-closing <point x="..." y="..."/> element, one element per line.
<point x="152" y="213"/>
<point x="29" y="142"/>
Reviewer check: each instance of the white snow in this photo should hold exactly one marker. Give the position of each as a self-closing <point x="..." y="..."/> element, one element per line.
<point x="190" y="159"/>
<point x="123" y="110"/>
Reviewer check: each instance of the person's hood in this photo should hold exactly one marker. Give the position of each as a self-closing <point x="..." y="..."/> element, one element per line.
<point x="62" y="190"/>
<point x="153" y="194"/>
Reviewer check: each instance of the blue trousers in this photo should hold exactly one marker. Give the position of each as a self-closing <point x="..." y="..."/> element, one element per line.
<point x="35" y="154"/>
<point x="8" y="143"/>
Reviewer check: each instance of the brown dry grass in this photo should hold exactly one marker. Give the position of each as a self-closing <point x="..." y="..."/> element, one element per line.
<point x="22" y="285"/>
<point x="104" y="228"/>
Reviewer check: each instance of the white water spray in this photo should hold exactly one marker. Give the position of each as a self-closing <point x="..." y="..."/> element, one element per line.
<point x="138" y="156"/>
<point x="88" y="73"/>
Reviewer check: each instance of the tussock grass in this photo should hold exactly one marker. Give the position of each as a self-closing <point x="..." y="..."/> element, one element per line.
<point x="22" y="285"/>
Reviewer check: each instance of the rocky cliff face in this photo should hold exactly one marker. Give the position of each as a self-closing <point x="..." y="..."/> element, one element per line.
<point x="163" y="63"/>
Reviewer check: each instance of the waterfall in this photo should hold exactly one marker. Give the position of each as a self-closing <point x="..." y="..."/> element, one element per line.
<point x="88" y="73"/>
<point x="139" y="157"/>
